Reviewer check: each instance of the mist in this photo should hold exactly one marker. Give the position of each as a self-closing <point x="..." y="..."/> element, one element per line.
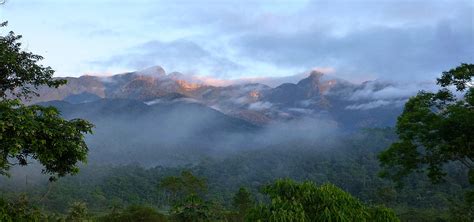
<point x="171" y="134"/>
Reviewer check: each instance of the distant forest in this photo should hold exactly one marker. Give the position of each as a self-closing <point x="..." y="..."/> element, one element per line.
<point x="352" y="165"/>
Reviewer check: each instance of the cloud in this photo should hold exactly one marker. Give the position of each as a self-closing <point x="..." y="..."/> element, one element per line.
<point x="383" y="52"/>
<point x="361" y="39"/>
<point x="376" y="94"/>
<point x="258" y="106"/>
<point x="179" y="55"/>
<point x="305" y="129"/>
<point x="376" y="104"/>
<point x="272" y="81"/>
<point x="378" y="90"/>
<point x="302" y="110"/>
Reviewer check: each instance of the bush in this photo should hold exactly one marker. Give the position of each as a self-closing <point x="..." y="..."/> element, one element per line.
<point x="19" y="210"/>
<point x="291" y="201"/>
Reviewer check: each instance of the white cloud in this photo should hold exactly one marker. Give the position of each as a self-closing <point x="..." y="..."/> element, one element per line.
<point x="376" y="104"/>
<point x="379" y="90"/>
<point x="258" y="106"/>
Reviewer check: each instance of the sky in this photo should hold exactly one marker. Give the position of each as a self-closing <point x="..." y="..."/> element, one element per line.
<point x="356" y="40"/>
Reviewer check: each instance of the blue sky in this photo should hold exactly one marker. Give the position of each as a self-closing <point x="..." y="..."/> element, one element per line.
<point x="357" y="40"/>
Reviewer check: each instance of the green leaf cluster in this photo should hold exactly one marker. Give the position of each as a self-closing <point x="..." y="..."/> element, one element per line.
<point x="435" y="129"/>
<point x="20" y="73"/>
<point x="292" y="201"/>
<point x="34" y="132"/>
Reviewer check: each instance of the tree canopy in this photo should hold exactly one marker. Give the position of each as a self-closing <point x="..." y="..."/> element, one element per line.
<point x="188" y="203"/>
<point x="20" y="71"/>
<point x="435" y="129"/>
<point x="184" y="185"/>
<point x="34" y="132"/>
<point x="292" y="201"/>
<point x="243" y="201"/>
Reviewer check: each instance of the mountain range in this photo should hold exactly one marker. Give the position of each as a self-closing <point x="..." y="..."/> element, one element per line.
<point x="154" y="118"/>
<point x="317" y="96"/>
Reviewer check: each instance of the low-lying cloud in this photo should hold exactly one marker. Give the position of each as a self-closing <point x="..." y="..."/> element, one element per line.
<point x="260" y="106"/>
<point x="377" y="90"/>
<point x="376" y="104"/>
<point x="182" y="133"/>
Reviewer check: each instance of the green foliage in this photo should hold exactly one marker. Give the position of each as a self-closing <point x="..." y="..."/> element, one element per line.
<point x="381" y="213"/>
<point x="243" y="201"/>
<point x="134" y="213"/>
<point x="77" y="212"/>
<point x="40" y="133"/>
<point x="194" y="208"/>
<point x="291" y="201"/>
<point x="34" y="132"/>
<point x="187" y="199"/>
<point x="353" y="169"/>
<point x="20" y="71"/>
<point x="386" y="194"/>
<point x="462" y="211"/>
<point x="460" y="77"/>
<point x="19" y="210"/>
<point x="434" y="129"/>
<point x="183" y="186"/>
<point x="422" y="215"/>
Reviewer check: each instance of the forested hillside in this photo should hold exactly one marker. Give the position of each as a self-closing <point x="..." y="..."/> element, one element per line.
<point x="351" y="164"/>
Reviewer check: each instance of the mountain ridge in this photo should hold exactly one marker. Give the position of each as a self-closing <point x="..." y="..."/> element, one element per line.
<point x="257" y="103"/>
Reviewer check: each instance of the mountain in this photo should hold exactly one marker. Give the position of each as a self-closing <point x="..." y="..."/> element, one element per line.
<point x="307" y="93"/>
<point x="83" y="97"/>
<point x="154" y="118"/>
<point x="316" y="96"/>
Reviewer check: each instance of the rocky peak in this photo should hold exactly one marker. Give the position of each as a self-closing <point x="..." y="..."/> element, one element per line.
<point x="315" y="75"/>
<point x="313" y="80"/>
<point x="312" y="85"/>
<point x="152" y="71"/>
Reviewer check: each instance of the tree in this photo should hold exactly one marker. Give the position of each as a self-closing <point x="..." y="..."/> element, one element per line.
<point x="435" y="129"/>
<point x="183" y="186"/>
<point x="77" y="212"/>
<point x="193" y="208"/>
<point x="34" y="132"/>
<point x="19" y="210"/>
<point x="187" y="199"/>
<point x="292" y="201"/>
<point x="20" y="72"/>
<point x="243" y="201"/>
